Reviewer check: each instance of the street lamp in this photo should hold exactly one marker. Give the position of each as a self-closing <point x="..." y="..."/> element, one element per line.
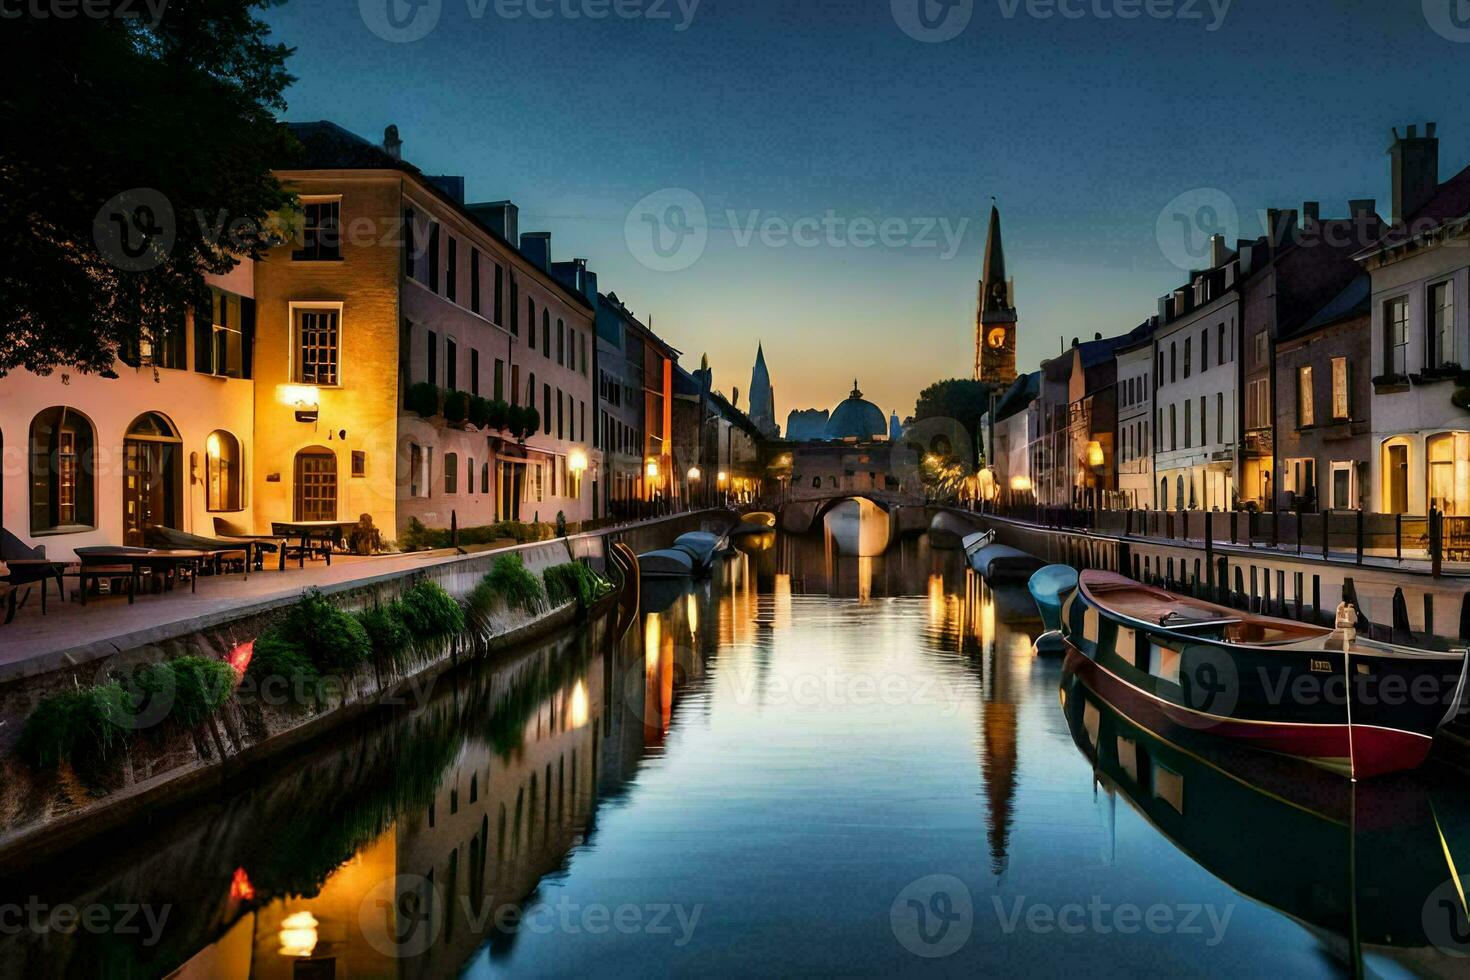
<point x="693" y="475"/>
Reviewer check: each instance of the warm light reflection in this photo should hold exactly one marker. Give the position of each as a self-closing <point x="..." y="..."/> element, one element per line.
<point x="298" y="934"/>
<point x="576" y="461"/>
<point x="240" y="887"/>
<point x="651" y="638"/>
<point x="650" y="469"/>
<point x="693" y="608"/>
<point x="1094" y="453"/>
<point x="722" y="477"/>
<point x="936" y="600"/>
<point x="577" y="708"/>
<point x="211" y="445"/>
<point x="694" y="472"/>
<point x="1021" y="484"/>
<point x="987" y="615"/>
<point x="240" y="657"/>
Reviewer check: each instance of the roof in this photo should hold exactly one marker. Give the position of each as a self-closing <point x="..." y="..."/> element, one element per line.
<point x="1356" y="300"/>
<point x="327" y="146"/>
<point x="856" y="417"/>
<point x="616" y="306"/>
<point x="1022" y="392"/>
<point x="1450" y="203"/>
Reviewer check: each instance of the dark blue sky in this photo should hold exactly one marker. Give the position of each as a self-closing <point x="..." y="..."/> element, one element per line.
<point x="801" y="127"/>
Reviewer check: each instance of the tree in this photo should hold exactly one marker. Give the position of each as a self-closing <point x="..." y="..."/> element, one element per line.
<point x="136" y="158"/>
<point x="960" y="399"/>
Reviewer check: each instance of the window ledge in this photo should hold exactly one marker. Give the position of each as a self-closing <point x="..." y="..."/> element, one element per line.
<point x="64" y="529"/>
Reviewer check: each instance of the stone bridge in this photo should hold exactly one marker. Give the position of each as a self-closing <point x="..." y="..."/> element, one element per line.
<point x="802" y="509"/>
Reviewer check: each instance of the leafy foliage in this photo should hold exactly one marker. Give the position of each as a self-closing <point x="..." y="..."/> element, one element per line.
<point x="429" y="611"/>
<point x="574" y="580"/>
<point x="960" y="399"/>
<point x="456" y="407"/>
<point x="314" y="638"/>
<point x="422" y="398"/>
<point x="386" y="631"/>
<point x="80" y="724"/>
<point x="511" y="581"/>
<point x="181" y="111"/>
<point x="417" y="537"/>
<point x="200" y="686"/>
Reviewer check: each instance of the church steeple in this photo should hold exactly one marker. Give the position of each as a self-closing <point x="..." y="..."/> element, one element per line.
<point x="762" y="396"/>
<point x="995" y="313"/>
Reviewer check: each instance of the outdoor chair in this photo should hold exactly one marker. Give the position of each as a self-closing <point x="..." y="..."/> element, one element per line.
<point x="26" y="566"/>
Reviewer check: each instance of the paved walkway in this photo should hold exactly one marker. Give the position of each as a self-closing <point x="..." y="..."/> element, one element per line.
<point x="73" y="633"/>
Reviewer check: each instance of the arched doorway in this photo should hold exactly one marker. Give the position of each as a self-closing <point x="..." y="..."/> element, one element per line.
<point x="315" y="498"/>
<point x="152" y="477"/>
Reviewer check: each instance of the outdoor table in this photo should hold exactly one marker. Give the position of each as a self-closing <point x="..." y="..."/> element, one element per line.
<point x="158" y="559"/>
<point x="52" y="569"/>
<point x="329" y="533"/>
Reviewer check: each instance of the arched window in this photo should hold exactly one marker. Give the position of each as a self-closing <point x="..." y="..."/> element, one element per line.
<point x="1163" y="489"/>
<point x="469" y="474"/>
<point x="484" y="477"/>
<point x="1449" y="472"/>
<point x="451" y="472"/>
<point x="531" y="388"/>
<point x="153" y="477"/>
<point x="222" y="469"/>
<point x="816" y="483"/>
<point x="316" y="485"/>
<point x="1179" y="491"/>
<point x="62" y="483"/>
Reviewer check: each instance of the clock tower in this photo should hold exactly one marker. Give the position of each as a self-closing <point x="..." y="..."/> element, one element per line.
<point x="995" y="315"/>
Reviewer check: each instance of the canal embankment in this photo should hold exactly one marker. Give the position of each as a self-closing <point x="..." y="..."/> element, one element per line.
<point x="156" y="757"/>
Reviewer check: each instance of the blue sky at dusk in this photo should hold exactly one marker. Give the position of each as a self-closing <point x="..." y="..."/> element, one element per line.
<point x="826" y="119"/>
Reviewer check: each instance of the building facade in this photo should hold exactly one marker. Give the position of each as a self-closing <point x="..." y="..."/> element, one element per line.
<point x="1134" y="438"/>
<point x="634" y="389"/>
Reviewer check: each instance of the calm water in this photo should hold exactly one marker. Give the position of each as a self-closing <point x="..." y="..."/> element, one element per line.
<point x="806" y="765"/>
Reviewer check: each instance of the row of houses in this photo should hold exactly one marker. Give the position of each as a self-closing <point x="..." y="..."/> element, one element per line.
<point x="1323" y="365"/>
<point x="383" y="363"/>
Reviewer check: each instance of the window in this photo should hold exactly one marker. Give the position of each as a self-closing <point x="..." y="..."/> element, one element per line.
<point x="1263" y="356"/>
<point x="1344" y="486"/>
<point x="474" y="279"/>
<point x="1304" y="412"/>
<point x="410" y="249"/>
<point x="561" y="342"/>
<point x="451" y="472"/>
<point x="559" y="414"/>
<point x="1441" y="346"/>
<point x="163" y="343"/>
<point x="1396" y="336"/>
<point x="1204" y="350"/>
<point x="1161" y="362"/>
<point x="1395" y="478"/>
<point x="1186" y="357"/>
<point x="474" y="371"/>
<point x="515" y="320"/>
<point x="484" y="477"/>
<point x="515" y="384"/>
<point x="415" y="468"/>
<point x="316" y="349"/>
<point x="222" y="489"/>
<point x="499" y="379"/>
<point x="433" y="264"/>
<point x="61" y="477"/>
<point x="499" y="294"/>
<point x="451" y="364"/>
<point x="546" y="409"/>
<point x="431" y="357"/>
<point x="1173" y="429"/>
<point x="1220" y="416"/>
<point x="1340" y="375"/>
<point x="1258" y="404"/>
<point x="316" y="485"/>
<point x="545" y="333"/>
<point x="582" y="343"/>
<point x="359" y="463"/>
<point x="321" y="240"/>
<point x="1220" y="346"/>
<point x="451" y="271"/>
<point x="1204" y="430"/>
<point x="224" y="335"/>
<point x="1449" y="472"/>
<point x="531" y="322"/>
<point x="1173" y="363"/>
<point x="1188" y="426"/>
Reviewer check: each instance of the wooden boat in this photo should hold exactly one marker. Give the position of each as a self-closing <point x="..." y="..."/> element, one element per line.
<point x="999" y="562"/>
<point x="665" y="563"/>
<point x="1352" y="863"/>
<point x="701" y="547"/>
<point x="1048" y="587"/>
<point x="756" y="522"/>
<point x="948" y="531"/>
<point x="858" y="527"/>
<point x="1341" y="701"/>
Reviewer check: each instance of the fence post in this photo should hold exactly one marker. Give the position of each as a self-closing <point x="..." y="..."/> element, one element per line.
<point x="1275" y="528"/>
<point x="1360" y="535"/>
<point x="1398" y="537"/>
<point x="1299" y="532"/>
<point x="1436" y="540"/>
<point x="1326" y="533"/>
<point x="1210" y="550"/>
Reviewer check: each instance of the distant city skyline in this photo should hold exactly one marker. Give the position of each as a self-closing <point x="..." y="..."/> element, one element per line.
<point x="812" y="125"/>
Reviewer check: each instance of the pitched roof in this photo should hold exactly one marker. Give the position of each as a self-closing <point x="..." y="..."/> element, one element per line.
<point x="1449" y="204"/>
<point x="1356" y="300"/>
<point x="1022" y="392"/>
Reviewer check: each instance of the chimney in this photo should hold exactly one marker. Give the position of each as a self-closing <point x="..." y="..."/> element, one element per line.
<point x="1166" y="308"/>
<point x="1362" y="207"/>
<point x="536" y="246"/>
<point x="501" y="217"/>
<point x="392" y="145"/>
<point x="451" y="185"/>
<point x="1311" y="213"/>
<point x="1219" y="253"/>
<point x="1281" y="229"/>
<point x="1415" y="170"/>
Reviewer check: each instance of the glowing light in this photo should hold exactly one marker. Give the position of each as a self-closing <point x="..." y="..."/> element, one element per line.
<point x="693" y="608"/>
<point x="1094" y="453"/>
<point x="694" y="472"/>
<point x="577" y="709"/>
<point x="240" y="887"/>
<point x="1021" y="484"/>
<point x="211" y="445"/>
<point x="240" y="657"/>
<point x="651" y="640"/>
<point x="650" y="469"/>
<point x="300" y="396"/>
<point x="298" y="934"/>
<point x="722" y="476"/>
<point x="576" y="461"/>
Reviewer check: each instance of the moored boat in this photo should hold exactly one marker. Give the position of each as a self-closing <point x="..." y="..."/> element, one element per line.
<point x="700" y="546"/>
<point x="999" y="562"/>
<point x="665" y="563"/>
<point x="1275" y="684"/>
<point x="1049" y="586"/>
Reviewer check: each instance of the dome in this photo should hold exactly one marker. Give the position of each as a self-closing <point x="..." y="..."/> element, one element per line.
<point x="856" y="419"/>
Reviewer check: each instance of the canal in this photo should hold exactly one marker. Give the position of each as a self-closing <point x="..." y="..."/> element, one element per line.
<point x="805" y="765"/>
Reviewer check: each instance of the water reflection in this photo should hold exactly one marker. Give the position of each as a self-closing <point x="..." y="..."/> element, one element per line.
<point x="765" y="760"/>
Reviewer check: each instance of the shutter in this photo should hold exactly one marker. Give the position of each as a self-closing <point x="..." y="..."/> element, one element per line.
<point x="247" y="337"/>
<point x="203" y="340"/>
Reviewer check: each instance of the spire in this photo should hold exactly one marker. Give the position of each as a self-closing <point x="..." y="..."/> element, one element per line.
<point x="855" y="392"/>
<point x="994" y="299"/>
